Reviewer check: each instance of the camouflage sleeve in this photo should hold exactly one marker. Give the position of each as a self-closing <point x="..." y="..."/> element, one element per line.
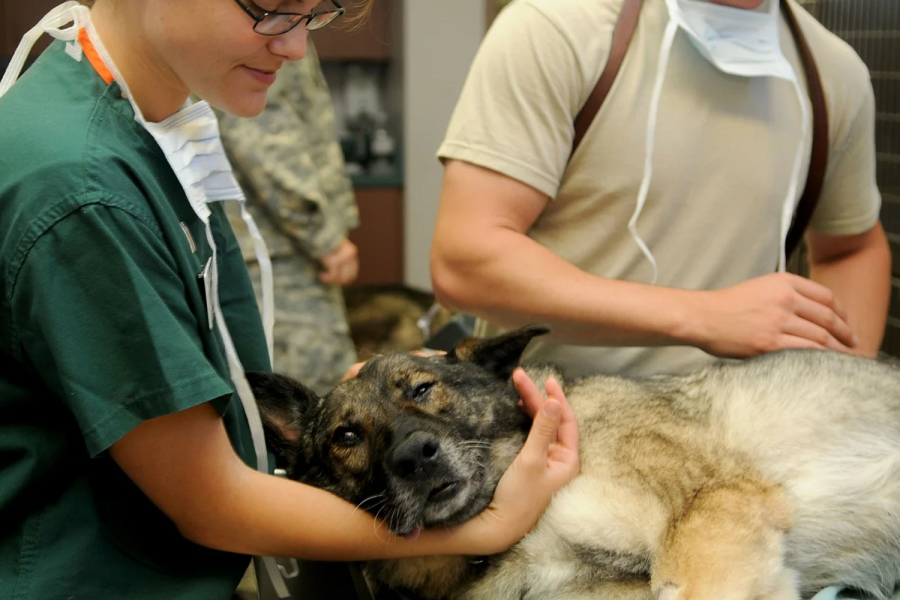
<point x="311" y="97"/>
<point x="289" y="168"/>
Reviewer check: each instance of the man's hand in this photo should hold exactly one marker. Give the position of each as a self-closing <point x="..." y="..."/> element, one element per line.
<point x="341" y="265"/>
<point x="770" y="313"/>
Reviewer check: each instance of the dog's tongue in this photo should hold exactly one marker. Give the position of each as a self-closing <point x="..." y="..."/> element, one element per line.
<point x="414" y="534"/>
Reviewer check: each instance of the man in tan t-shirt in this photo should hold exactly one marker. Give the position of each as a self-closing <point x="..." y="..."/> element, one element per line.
<point x="526" y="234"/>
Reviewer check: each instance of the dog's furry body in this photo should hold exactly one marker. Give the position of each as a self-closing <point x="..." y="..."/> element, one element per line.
<point x="766" y="479"/>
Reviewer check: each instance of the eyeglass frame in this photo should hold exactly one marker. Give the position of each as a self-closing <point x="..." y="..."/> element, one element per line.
<point x="340" y="10"/>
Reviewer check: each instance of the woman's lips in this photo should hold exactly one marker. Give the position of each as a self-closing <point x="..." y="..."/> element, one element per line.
<point x="264" y="77"/>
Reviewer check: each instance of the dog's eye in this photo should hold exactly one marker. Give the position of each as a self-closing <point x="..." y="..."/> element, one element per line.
<point x="421" y="391"/>
<point x="346" y="437"/>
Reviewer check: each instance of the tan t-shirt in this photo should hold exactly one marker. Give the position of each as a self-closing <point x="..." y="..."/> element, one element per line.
<point x="722" y="160"/>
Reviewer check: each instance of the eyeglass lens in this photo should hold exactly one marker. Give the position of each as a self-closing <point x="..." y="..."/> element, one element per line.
<point x="274" y="24"/>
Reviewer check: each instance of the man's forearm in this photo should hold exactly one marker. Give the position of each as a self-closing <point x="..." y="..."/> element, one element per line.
<point x="861" y="280"/>
<point x="512" y="280"/>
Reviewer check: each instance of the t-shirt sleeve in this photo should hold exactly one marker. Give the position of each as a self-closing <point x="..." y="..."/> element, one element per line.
<point x="517" y="108"/>
<point x="102" y="315"/>
<point x="850" y="201"/>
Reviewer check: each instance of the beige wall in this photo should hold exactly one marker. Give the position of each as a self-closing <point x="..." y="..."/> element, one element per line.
<point x="440" y="38"/>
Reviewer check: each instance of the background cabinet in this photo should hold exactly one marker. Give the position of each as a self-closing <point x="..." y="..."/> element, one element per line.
<point x="380" y="235"/>
<point x="16" y="18"/>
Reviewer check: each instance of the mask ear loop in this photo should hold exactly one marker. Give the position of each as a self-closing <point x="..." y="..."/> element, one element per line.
<point x="266" y="279"/>
<point x="790" y="201"/>
<point x="264" y="564"/>
<point x="664" y="53"/>
<point x="69" y="12"/>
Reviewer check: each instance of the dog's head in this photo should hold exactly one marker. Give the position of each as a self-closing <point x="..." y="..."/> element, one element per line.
<point x="419" y="441"/>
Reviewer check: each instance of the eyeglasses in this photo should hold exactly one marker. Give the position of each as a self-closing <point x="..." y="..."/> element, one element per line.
<point x="277" y="23"/>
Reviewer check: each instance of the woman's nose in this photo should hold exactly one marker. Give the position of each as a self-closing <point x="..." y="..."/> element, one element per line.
<point x="291" y="45"/>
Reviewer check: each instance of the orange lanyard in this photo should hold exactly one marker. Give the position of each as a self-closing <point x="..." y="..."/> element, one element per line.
<point x="94" y="57"/>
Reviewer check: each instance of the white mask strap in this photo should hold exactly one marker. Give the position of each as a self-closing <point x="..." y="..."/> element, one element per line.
<point x="251" y="410"/>
<point x="267" y="279"/>
<point x="663" y="64"/>
<point x="52" y="24"/>
<point x="234" y="363"/>
<point x="787" y="212"/>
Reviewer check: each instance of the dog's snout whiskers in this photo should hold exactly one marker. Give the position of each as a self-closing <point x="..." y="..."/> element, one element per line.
<point x="381" y="497"/>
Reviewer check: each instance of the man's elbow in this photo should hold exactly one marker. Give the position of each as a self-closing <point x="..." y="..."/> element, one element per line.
<point x="458" y="280"/>
<point x="448" y="286"/>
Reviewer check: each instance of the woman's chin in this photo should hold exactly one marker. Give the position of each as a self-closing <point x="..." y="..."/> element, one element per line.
<point x="247" y="104"/>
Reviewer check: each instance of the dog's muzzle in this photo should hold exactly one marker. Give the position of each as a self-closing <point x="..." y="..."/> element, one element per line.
<point x="416" y="457"/>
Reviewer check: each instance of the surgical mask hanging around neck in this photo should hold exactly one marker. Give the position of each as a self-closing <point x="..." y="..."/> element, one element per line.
<point x="738" y="42"/>
<point x="192" y="145"/>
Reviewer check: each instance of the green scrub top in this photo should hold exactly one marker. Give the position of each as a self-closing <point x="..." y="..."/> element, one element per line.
<point x="103" y="325"/>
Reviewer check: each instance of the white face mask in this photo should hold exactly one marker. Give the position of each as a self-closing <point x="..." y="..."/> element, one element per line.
<point x="738" y="42"/>
<point x="193" y="148"/>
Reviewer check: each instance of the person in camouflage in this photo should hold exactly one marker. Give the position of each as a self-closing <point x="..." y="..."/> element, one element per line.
<point x="289" y="163"/>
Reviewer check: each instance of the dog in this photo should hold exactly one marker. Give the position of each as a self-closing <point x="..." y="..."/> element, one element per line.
<point x="763" y="479"/>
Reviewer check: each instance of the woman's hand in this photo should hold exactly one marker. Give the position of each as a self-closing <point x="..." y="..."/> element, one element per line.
<point x="547" y="462"/>
<point x="341" y="265"/>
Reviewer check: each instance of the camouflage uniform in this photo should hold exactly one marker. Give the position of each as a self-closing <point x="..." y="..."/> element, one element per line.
<point x="291" y="168"/>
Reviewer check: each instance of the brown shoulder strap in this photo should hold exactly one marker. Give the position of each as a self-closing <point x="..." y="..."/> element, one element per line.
<point x="622" y="35"/>
<point x="818" y="161"/>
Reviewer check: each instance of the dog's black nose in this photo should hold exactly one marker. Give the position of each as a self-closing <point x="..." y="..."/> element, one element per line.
<point x="416" y="455"/>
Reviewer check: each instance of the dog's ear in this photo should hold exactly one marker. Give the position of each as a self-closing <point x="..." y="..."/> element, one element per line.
<point x="500" y="354"/>
<point x="284" y="405"/>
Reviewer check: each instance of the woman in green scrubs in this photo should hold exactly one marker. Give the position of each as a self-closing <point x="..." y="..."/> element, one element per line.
<point x="126" y="460"/>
